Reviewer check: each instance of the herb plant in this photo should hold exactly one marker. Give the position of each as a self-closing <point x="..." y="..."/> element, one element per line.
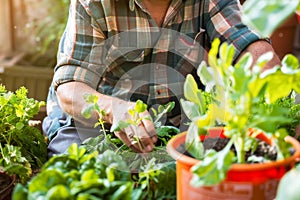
<point x="22" y="147"/>
<point x="244" y="101"/>
<point x="80" y="175"/>
<point x="153" y="173"/>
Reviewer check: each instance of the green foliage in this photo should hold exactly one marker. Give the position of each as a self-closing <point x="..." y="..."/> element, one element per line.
<point x="80" y="175"/>
<point x="287" y="188"/>
<point x="242" y="97"/>
<point x="155" y="176"/>
<point x="22" y="147"/>
<point x="268" y="15"/>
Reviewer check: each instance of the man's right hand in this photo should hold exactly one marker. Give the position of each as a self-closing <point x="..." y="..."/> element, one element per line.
<point x="140" y="138"/>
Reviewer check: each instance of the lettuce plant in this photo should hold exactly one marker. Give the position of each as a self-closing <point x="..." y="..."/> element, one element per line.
<point x="243" y="97"/>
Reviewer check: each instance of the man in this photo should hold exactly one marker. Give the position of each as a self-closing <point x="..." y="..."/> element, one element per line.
<point x="125" y="50"/>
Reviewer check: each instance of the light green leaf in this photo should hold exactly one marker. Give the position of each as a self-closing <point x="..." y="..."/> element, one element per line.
<point x="277" y="88"/>
<point x="193" y="143"/>
<point x="206" y="76"/>
<point x="266" y="16"/>
<point x="140" y="106"/>
<point x="190" y="109"/>
<point x="190" y="89"/>
<point x="290" y="64"/>
<point x="213" y="169"/>
<point x="58" y="192"/>
<point x="245" y="62"/>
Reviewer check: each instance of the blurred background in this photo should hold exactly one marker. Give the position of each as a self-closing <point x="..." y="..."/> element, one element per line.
<point x="29" y="35"/>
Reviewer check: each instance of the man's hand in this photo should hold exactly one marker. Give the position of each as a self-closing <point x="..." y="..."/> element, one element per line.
<point x="141" y="137"/>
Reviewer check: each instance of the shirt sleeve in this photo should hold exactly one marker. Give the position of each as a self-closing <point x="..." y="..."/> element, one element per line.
<point x="223" y="20"/>
<point x="81" y="50"/>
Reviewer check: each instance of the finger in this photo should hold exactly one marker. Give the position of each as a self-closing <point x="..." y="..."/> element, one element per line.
<point x="128" y="142"/>
<point x="144" y="138"/>
<point x="149" y="127"/>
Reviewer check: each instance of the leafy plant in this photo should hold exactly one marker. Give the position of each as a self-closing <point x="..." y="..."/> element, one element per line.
<point x="153" y="173"/>
<point x="244" y="100"/>
<point x="287" y="188"/>
<point x="262" y="18"/>
<point x="22" y="147"/>
<point x="80" y="175"/>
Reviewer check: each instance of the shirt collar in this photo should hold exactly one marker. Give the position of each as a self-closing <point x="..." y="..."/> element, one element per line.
<point x="132" y="4"/>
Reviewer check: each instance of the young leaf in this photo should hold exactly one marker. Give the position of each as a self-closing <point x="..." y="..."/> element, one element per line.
<point x="140" y="106"/>
<point x="193" y="143"/>
<point x="213" y="169"/>
<point x="190" y="89"/>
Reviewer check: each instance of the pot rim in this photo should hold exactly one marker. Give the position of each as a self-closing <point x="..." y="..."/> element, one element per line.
<point x="175" y="141"/>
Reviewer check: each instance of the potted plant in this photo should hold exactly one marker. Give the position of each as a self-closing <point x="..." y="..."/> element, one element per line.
<point x="23" y="148"/>
<point x="243" y="100"/>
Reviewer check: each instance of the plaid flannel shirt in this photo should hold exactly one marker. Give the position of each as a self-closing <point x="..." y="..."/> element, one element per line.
<point x="115" y="47"/>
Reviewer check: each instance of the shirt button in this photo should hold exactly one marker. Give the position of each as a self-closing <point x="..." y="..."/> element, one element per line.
<point x="157" y="67"/>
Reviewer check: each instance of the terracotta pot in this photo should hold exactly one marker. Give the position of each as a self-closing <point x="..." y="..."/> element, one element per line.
<point x="244" y="181"/>
<point x="7" y="184"/>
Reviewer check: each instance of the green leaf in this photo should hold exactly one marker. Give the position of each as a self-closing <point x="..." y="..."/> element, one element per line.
<point x="213" y="169"/>
<point x="266" y="16"/>
<point x="45" y="180"/>
<point x="87" y="111"/>
<point x="245" y="62"/>
<point x="278" y="89"/>
<point x="140" y="106"/>
<point x="119" y="126"/>
<point x="58" y="192"/>
<point x="193" y="143"/>
<point x="89" y="175"/>
<point x="191" y="89"/>
<point x="191" y="109"/>
<point x="226" y="54"/>
<point x="290" y="64"/>
<point x="123" y="192"/>
<point x="206" y="76"/>
<point x="90" y="98"/>
<point x="19" y="192"/>
<point x="240" y="80"/>
<point x="264" y="59"/>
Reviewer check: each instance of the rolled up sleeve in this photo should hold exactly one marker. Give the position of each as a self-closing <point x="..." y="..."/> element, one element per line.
<point x="224" y="21"/>
<point x="81" y="50"/>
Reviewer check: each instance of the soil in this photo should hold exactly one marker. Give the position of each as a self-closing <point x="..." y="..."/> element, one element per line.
<point x="263" y="150"/>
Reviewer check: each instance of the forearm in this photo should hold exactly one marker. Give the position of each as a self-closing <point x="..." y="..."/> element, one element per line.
<point x="71" y="100"/>
<point x="260" y="47"/>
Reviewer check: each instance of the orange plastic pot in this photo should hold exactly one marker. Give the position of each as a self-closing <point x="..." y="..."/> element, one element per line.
<point x="244" y="181"/>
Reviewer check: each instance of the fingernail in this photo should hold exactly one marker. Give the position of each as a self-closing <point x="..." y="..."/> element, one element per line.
<point x="149" y="148"/>
<point x="154" y="139"/>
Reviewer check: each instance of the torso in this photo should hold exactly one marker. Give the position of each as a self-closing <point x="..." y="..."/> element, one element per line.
<point x="157" y="9"/>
